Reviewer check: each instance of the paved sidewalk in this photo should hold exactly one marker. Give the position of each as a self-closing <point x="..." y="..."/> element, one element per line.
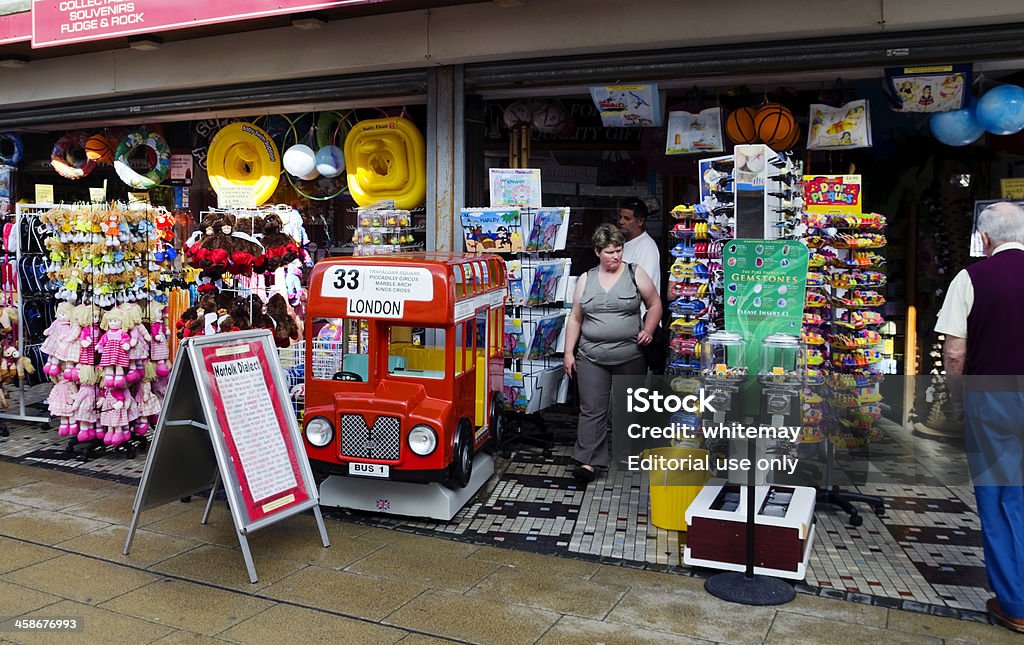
<point x="61" y="537"/>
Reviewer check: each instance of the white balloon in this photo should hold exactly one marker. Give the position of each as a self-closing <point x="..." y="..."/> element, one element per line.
<point x="299" y="160"/>
<point x="313" y="174"/>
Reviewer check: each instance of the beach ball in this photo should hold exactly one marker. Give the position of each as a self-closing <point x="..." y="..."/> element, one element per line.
<point x="549" y="118"/>
<point x="1001" y="110"/>
<point x="957" y="128"/>
<point x="518" y="113"/>
<point x="330" y="161"/>
<point x="299" y="160"/>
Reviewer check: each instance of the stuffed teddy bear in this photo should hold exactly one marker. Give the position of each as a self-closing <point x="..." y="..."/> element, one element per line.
<point x="285" y="328"/>
<point x="280" y="248"/>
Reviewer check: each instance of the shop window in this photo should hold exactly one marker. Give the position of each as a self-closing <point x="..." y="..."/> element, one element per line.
<point x="340" y="345"/>
<point x="416" y="352"/>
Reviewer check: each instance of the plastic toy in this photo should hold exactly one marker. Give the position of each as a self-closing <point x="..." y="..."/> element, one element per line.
<point x="243" y="154"/>
<point x="405" y="365"/>
<point x="386" y="160"/>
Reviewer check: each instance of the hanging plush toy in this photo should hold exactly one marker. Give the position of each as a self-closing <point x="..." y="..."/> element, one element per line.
<point x="61" y="341"/>
<point x="158" y="350"/>
<point x="113" y="347"/>
<point x="86" y="318"/>
<point x="140" y="340"/>
<point x="148" y="406"/>
<point x="280" y="248"/>
<point x="114" y="416"/>
<point x="285" y="328"/>
<point x="61" y="401"/>
<point x="84" y="412"/>
<point x="13" y="364"/>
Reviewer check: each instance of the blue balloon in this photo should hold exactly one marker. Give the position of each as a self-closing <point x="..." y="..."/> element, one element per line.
<point x="957" y="128"/>
<point x="330" y="161"/>
<point x="1001" y="109"/>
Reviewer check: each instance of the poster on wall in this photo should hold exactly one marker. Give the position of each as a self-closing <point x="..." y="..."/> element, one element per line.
<point x="936" y="88"/>
<point x="832" y="194"/>
<point x="515" y="187"/>
<point x="765" y="282"/>
<point x="833" y="128"/>
<point x="628" y="106"/>
<point x="689" y="133"/>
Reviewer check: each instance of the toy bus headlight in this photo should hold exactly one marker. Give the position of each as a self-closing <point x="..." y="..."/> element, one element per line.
<point x="319" y="432"/>
<point x="422" y="440"/>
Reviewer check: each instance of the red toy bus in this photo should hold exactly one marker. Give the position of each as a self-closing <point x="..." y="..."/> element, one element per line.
<point x="404" y="365"/>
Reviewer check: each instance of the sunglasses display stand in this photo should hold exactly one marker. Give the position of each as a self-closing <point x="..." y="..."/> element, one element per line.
<point x="842" y="326"/>
<point x="21" y="331"/>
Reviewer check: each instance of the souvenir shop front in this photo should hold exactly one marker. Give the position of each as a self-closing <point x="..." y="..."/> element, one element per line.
<point x="209" y="210"/>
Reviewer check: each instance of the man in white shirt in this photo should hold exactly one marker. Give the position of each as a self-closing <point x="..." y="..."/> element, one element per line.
<point x="640" y="248"/>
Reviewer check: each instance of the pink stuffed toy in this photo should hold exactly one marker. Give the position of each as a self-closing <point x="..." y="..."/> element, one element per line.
<point x="62" y="400"/>
<point x="113" y="347"/>
<point x="61" y="337"/>
<point x="158" y="351"/>
<point x="84" y="407"/>
<point x="114" y="416"/>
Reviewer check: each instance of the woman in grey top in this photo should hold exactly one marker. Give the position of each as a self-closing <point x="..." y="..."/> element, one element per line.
<point x="603" y="339"/>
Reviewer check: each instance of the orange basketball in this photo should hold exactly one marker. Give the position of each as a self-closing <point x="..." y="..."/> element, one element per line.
<point x="774" y="123"/>
<point x="99" y="149"/>
<point x="739" y="127"/>
<point x="788" y="144"/>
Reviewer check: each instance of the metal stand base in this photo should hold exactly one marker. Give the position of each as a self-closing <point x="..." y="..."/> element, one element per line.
<point x="749" y="590"/>
<point x="402" y="498"/>
<point x="844" y="500"/>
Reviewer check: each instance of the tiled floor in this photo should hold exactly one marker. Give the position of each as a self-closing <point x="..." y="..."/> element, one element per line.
<point x="924" y="554"/>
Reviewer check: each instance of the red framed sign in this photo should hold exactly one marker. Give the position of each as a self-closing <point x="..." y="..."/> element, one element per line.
<point x="252" y="421"/>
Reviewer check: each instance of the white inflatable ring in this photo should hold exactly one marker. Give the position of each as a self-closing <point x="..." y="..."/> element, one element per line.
<point x="125" y="148"/>
<point x="386" y="159"/>
<point x="67" y="165"/>
<point x="242" y="154"/>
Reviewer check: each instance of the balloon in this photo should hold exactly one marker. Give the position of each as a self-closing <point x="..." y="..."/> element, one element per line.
<point x="957" y="128"/>
<point x="1001" y="110"/>
<point x="549" y="118"/>
<point x="299" y="160"/>
<point x="313" y="174"/>
<point x="330" y="161"/>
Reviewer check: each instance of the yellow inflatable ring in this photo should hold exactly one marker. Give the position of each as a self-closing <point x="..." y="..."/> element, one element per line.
<point x="386" y="159"/>
<point x="67" y="164"/>
<point x="242" y="154"/>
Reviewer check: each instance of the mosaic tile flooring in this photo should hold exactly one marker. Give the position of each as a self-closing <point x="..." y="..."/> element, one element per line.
<point x="925" y="554"/>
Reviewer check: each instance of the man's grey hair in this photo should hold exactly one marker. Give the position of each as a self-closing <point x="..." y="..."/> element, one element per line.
<point x="1003" y="221"/>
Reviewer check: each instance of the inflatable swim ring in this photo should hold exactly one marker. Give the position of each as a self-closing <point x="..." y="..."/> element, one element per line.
<point x="386" y="159"/>
<point x="68" y="156"/>
<point x="11" y="148"/>
<point x="125" y="148"/>
<point x="242" y="154"/>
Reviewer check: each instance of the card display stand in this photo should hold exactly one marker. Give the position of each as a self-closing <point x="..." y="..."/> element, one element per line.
<point x="540" y="288"/>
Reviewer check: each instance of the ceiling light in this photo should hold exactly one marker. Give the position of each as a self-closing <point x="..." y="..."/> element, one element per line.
<point x="145" y="43"/>
<point x="13" y="62"/>
<point x="307" y="23"/>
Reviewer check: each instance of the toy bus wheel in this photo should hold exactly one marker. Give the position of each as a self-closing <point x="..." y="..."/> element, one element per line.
<point x="462" y="458"/>
<point x="496" y="425"/>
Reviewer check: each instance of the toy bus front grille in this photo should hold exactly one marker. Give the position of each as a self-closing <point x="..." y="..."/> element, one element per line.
<point x="383" y="440"/>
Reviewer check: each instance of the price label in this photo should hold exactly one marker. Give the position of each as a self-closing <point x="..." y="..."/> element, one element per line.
<point x="44" y="193"/>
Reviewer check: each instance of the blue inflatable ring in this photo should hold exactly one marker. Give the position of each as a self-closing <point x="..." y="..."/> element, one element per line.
<point x="10" y="140"/>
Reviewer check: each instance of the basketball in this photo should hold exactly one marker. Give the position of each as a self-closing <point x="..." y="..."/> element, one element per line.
<point x="739" y="127"/>
<point x="788" y="144"/>
<point x="99" y="149"/>
<point x="774" y="123"/>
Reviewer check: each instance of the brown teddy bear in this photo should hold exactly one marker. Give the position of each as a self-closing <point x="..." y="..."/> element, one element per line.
<point x="285" y="328"/>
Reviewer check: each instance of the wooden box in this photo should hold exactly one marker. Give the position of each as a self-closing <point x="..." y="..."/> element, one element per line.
<point x="783" y="536"/>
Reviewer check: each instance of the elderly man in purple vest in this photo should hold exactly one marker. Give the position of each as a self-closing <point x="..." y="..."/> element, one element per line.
<point x="983" y="321"/>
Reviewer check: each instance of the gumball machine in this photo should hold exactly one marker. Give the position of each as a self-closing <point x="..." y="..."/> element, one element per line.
<point x="723" y="371"/>
<point x="782" y="376"/>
